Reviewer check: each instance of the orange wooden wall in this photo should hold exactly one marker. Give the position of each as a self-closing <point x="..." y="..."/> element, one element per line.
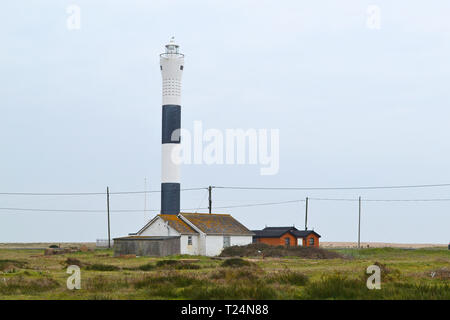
<point x="293" y="240"/>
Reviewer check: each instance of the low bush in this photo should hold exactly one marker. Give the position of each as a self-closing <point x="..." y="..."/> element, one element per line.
<point x="146" y="267"/>
<point x="7" y="264"/>
<point x="265" y="250"/>
<point x="337" y="286"/>
<point x="102" y="267"/>
<point x="103" y="283"/>
<point x="167" y="263"/>
<point x="235" y="274"/>
<point x="236" y="263"/>
<point x="23" y="285"/>
<point x="294" y="278"/>
<point x="176" y="264"/>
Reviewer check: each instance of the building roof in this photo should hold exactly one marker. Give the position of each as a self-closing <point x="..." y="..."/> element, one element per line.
<point x="173" y="221"/>
<point x="147" y="238"/>
<point x="276" y="232"/>
<point x="176" y="223"/>
<point x="216" y="223"/>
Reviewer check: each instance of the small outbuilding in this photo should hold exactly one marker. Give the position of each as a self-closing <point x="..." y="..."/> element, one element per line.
<point x="196" y="234"/>
<point x="286" y="236"/>
<point x="147" y="246"/>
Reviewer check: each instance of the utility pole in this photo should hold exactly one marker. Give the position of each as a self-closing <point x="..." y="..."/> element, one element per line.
<point x="306" y="214"/>
<point x="210" y="199"/>
<point x="359" y="224"/>
<point x="107" y="208"/>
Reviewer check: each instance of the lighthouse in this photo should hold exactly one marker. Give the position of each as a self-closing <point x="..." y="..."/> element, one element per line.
<point x="171" y="65"/>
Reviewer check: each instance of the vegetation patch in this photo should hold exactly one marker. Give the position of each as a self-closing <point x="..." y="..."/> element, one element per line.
<point x="105" y="284"/>
<point x="102" y="267"/>
<point x="176" y="264"/>
<point x="22" y="285"/>
<point x="11" y="266"/>
<point x="8" y="262"/>
<point x="147" y="267"/>
<point x="387" y="273"/>
<point x="288" y="277"/>
<point x="236" y="263"/>
<point x="236" y="274"/>
<point x="74" y="261"/>
<point x="265" y="250"/>
<point x="441" y="274"/>
<point x="337" y="286"/>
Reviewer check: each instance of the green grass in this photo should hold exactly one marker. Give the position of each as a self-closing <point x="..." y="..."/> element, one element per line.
<point x="405" y="274"/>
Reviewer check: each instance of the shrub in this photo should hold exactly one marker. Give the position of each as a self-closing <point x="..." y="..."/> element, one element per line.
<point x="73" y="261"/>
<point x="337" y="286"/>
<point x="175" y="264"/>
<point x="187" y="266"/>
<point x="235" y="274"/>
<point x="165" y="263"/>
<point x="22" y="285"/>
<point x="265" y="250"/>
<point x="229" y="291"/>
<point x="236" y="263"/>
<point x="102" y="267"/>
<point x="7" y="264"/>
<point x="387" y="273"/>
<point x="174" y="279"/>
<point x="288" y="277"/>
<point x="103" y="283"/>
<point x="146" y="267"/>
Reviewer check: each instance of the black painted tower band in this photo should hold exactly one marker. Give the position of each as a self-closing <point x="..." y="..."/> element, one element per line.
<point x="170" y="191"/>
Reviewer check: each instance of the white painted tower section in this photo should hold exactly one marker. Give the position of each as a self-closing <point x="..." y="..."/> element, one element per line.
<point x="172" y="65"/>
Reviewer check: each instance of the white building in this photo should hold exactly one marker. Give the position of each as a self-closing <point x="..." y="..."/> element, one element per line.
<point x="200" y="233"/>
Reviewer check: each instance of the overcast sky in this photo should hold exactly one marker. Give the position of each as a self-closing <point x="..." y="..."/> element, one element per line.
<point x="81" y="110"/>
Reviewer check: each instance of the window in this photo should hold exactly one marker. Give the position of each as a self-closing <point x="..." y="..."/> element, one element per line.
<point x="160" y="67"/>
<point x="181" y="67"/>
<point x="287" y="241"/>
<point x="311" y="241"/>
<point x="226" y="241"/>
<point x="189" y="240"/>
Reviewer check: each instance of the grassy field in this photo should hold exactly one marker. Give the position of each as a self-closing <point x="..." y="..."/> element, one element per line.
<point x="406" y="274"/>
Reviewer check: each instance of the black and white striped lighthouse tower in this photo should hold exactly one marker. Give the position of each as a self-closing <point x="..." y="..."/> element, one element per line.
<point x="171" y="64"/>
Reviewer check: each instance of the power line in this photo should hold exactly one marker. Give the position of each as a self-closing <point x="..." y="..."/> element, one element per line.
<point x="224" y="187"/>
<point x="88" y="193"/>
<point x="245" y="205"/>
<point x="382" y="200"/>
<point x="337" y="188"/>
<point x="71" y="210"/>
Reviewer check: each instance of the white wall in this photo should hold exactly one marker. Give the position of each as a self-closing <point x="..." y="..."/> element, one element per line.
<point x="214" y="244"/>
<point x="159" y="228"/>
<point x="192" y="249"/>
<point x="241" y="240"/>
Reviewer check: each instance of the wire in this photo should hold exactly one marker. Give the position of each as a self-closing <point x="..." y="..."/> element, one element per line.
<point x="87" y="193"/>
<point x="260" y="204"/>
<point x="70" y="210"/>
<point x="337" y="188"/>
<point x="381" y="200"/>
<point x="223" y="207"/>
<point x="201" y="202"/>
